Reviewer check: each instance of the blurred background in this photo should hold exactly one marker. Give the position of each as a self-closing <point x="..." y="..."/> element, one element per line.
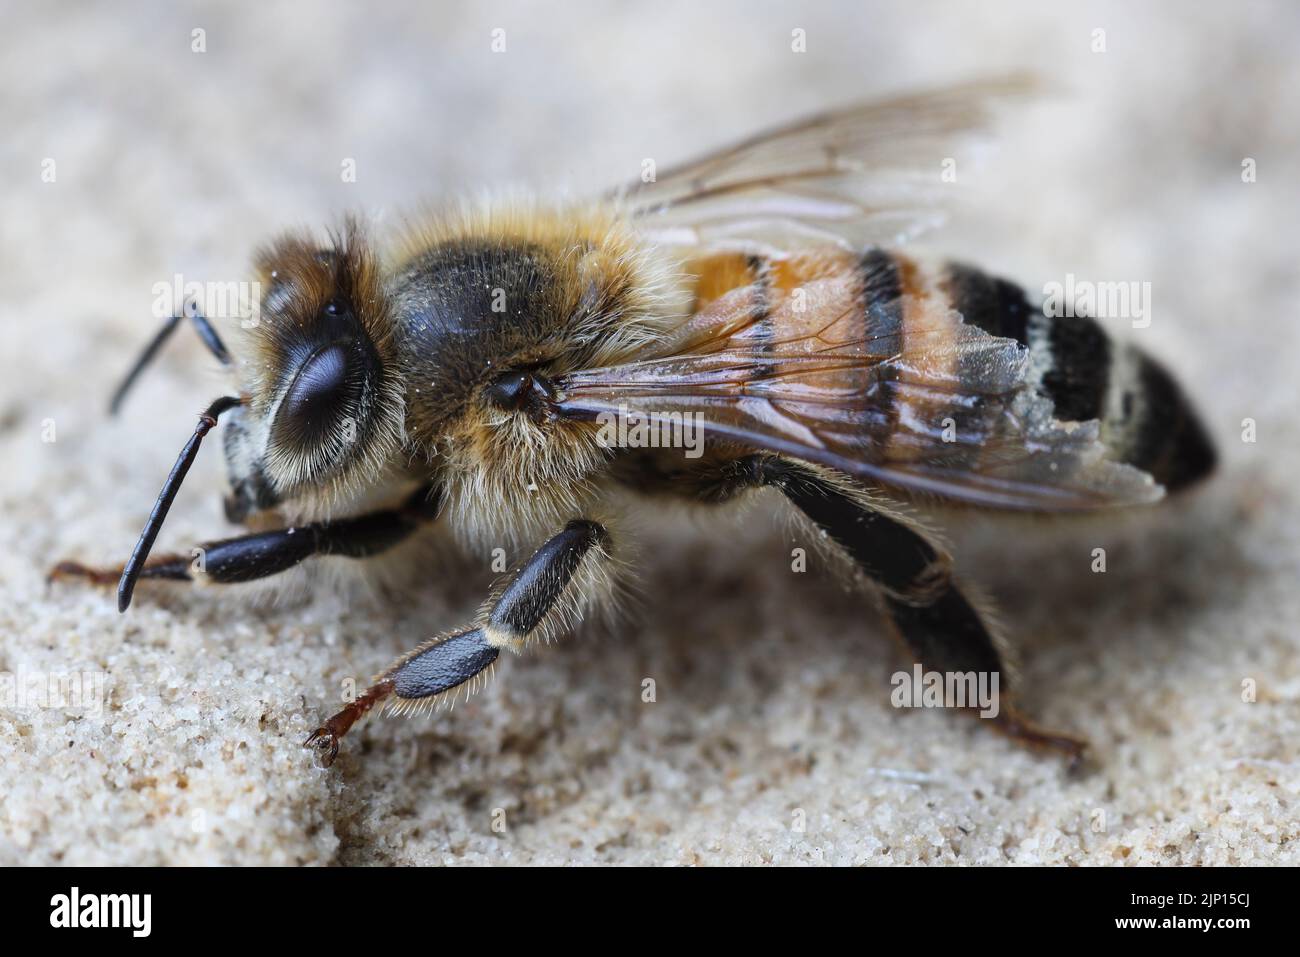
<point x="144" y="140"/>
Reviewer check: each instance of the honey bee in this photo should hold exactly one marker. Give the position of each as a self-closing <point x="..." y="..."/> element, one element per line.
<point x="468" y="377"/>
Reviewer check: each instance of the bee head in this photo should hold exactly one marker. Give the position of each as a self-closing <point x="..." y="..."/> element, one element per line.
<point x="325" y="407"/>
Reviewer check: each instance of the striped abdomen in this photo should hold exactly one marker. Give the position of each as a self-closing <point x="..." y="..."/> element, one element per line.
<point x="890" y="304"/>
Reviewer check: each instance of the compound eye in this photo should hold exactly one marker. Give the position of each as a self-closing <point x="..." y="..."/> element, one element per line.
<point x="321" y="390"/>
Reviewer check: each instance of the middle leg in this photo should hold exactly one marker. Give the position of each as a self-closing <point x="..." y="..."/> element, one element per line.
<point x="541" y="599"/>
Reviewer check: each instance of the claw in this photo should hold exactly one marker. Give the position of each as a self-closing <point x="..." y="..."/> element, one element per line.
<point x="1073" y="750"/>
<point x="325" y="739"/>
<point x="326" y="745"/>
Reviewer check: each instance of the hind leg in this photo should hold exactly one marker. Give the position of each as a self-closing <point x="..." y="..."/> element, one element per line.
<point x="925" y="610"/>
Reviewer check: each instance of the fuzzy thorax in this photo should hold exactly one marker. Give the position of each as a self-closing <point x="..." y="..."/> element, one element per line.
<point x="481" y="292"/>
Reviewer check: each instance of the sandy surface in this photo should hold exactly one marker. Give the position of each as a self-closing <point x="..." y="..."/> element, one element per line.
<point x="772" y="707"/>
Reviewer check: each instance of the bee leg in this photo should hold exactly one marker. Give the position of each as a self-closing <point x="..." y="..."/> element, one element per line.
<point x="258" y="555"/>
<point x="206" y="333"/>
<point x="938" y="625"/>
<point x="541" y="599"/>
<point x="948" y="635"/>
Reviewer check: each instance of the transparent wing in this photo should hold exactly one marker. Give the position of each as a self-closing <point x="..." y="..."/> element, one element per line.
<point x="865" y="175"/>
<point x="941" y="408"/>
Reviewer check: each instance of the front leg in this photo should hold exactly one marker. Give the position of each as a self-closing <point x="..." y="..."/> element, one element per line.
<point x="541" y="599"/>
<point x="247" y="558"/>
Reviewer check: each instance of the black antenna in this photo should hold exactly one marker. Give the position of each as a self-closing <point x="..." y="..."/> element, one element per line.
<point x="131" y="572"/>
<point x="206" y="333"/>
